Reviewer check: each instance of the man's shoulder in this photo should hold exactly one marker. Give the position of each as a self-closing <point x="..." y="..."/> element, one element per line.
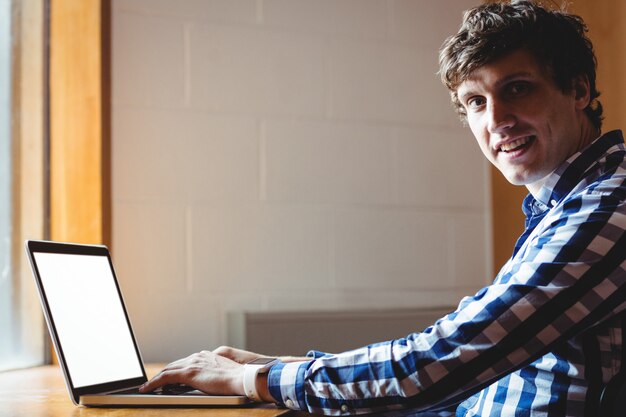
<point x="606" y="176"/>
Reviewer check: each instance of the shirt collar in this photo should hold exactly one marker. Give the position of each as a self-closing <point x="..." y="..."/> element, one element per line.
<point x="571" y="172"/>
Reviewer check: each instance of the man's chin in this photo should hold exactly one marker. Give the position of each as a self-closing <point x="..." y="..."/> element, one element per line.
<point x="514" y="178"/>
<point x="532" y="182"/>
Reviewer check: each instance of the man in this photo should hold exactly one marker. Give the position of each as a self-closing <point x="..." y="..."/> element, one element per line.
<point x="546" y="336"/>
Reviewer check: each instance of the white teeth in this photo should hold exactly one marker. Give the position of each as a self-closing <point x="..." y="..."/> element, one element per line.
<point x="506" y="147"/>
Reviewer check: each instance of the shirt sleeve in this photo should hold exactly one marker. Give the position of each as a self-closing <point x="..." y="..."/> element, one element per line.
<point x="316" y="354"/>
<point x="567" y="277"/>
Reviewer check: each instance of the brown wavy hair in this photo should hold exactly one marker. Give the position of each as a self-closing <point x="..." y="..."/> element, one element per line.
<point x="556" y="39"/>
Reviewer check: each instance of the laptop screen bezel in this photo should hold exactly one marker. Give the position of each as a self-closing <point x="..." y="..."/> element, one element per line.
<point x="37" y="246"/>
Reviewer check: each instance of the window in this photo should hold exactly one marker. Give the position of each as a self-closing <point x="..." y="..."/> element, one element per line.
<point x="22" y="178"/>
<point x="5" y="179"/>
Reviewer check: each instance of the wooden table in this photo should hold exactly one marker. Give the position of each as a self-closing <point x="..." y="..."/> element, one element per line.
<point x="41" y="392"/>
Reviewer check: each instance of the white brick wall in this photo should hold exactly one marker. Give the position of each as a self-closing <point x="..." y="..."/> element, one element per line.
<point x="287" y="155"/>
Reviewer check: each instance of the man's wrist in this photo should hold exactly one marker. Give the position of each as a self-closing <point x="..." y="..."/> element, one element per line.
<point x="255" y="379"/>
<point x="263" y="388"/>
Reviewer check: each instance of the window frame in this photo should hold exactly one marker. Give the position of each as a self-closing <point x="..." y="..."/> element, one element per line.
<point x="28" y="184"/>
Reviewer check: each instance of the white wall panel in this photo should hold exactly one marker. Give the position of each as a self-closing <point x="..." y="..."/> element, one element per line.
<point x="427" y="23"/>
<point x="434" y="168"/>
<point x="391" y="249"/>
<point x="248" y="70"/>
<point x="178" y="156"/>
<point x="219" y="11"/>
<point x="148" y="64"/>
<point x="150" y="260"/>
<point x="259" y="249"/>
<point x="329" y="163"/>
<point x="365" y="19"/>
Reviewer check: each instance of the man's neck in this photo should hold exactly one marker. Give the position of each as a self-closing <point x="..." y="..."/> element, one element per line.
<point x="588" y="134"/>
<point x="537" y="185"/>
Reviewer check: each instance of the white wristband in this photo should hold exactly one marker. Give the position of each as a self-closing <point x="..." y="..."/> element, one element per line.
<point x="250" y="372"/>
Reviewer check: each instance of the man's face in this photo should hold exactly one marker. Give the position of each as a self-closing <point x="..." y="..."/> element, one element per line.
<point x="525" y="125"/>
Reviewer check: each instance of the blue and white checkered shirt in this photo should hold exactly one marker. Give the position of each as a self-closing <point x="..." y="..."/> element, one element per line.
<point x="542" y="340"/>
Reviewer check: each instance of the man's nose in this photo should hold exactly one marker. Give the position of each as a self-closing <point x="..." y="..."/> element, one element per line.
<point x="500" y="117"/>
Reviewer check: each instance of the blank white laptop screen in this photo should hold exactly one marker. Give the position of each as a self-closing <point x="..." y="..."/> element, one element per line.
<point x="89" y="317"/>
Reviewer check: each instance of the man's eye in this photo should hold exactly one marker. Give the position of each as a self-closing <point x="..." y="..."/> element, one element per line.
<point x="475" y="102"/>
<point x="518" y="88"/>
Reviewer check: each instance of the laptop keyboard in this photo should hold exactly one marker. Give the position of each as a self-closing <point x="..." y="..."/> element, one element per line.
<point x="174" y="389"/>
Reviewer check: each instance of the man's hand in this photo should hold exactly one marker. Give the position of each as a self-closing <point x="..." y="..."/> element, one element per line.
<point x="238" y="355"/>
<point x="206" y="371"/>
<point x="219" y="372"/>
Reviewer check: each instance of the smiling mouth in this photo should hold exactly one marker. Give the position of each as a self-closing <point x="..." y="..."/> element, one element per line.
<point x="517" y="145"/>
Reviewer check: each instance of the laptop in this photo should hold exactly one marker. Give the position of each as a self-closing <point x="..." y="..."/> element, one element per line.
<point x="91" y="331"/>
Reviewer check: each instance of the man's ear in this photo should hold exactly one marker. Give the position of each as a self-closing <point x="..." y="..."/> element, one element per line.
<point x="580" y="87"/>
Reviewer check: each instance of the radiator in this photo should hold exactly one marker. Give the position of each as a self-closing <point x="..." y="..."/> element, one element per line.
<point x="295" y="333"/>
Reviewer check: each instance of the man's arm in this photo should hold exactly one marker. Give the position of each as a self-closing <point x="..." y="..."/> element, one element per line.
<point x="567" y="278"/>
<point x="243" y="356"/>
